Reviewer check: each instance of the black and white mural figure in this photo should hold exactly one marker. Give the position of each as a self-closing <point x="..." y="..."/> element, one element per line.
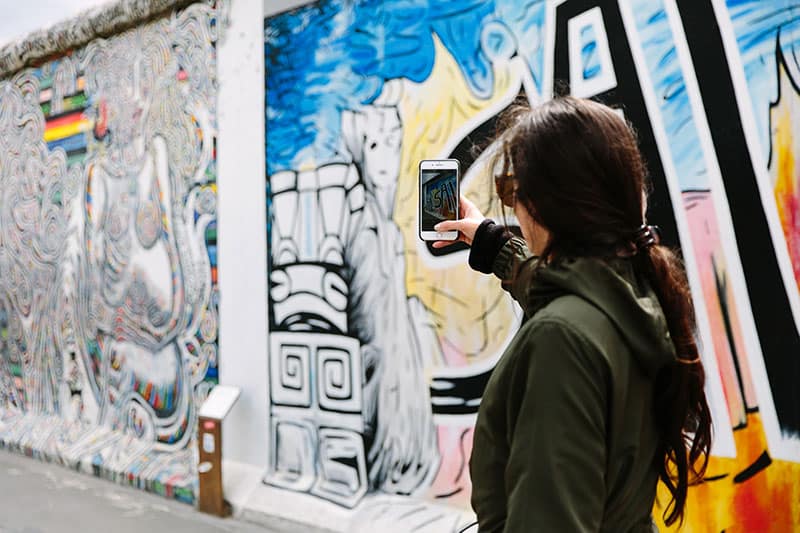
<point x="356" y="358"/>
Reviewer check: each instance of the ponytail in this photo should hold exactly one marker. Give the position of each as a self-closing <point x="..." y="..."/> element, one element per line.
<point x="681" y="409"/>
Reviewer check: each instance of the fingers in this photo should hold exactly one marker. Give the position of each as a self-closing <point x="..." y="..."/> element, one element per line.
<point x="449" y="225"/>
<point x="443" y="244"/>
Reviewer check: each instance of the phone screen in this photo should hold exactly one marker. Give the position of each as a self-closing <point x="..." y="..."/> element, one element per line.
<point x="439" y="196"/>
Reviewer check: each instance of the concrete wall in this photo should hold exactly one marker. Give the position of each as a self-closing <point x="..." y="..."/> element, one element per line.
<point x="108" y="255"/>
<point x="379" y="348"/>
<point x="242" y="243"/>
<point x="133" y="165"/>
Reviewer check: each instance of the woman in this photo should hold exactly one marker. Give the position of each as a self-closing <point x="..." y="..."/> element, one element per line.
<point x="600" y="393"/>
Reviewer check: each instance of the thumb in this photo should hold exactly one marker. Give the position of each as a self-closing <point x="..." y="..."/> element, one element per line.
<point x="465" y="206"/>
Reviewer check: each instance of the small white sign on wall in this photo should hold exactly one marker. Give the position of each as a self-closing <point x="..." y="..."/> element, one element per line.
<point x="219" y="402"/>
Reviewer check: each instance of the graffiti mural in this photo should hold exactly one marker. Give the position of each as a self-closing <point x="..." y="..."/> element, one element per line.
<point x="751" y="323"/>
<point x="377" y="354"/>
<point x="108" y="296"/>
<point x="380" y="346"/>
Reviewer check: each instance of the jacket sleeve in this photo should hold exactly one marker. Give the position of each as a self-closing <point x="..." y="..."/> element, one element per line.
<point x="497" y="251"/>
<point x="489" y="238"/>
<point x="516" y="267"/>
<point x="555" y="475"/>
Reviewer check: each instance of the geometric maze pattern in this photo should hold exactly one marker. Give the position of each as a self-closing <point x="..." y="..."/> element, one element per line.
<point x="317" y="443"/>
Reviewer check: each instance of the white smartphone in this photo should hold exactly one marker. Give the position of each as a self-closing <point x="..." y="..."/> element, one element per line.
<point x="438" y="197"/>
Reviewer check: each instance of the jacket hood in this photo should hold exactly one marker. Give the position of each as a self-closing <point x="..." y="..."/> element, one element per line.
<point x="613" y="287"/>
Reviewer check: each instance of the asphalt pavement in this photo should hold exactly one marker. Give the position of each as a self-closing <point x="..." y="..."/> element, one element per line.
<point x="37" y="497"/>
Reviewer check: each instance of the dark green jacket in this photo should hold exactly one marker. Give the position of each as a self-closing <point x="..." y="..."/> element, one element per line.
<point x="565" y="438"/>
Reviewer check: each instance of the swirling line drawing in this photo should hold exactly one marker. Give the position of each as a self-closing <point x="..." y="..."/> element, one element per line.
<point x="108" y="297"/>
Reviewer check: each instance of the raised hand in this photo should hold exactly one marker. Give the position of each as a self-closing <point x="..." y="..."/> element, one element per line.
<point x="469" y="219"/>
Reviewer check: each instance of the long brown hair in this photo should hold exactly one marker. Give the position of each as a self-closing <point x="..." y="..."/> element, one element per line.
<point x="578" y="172"/>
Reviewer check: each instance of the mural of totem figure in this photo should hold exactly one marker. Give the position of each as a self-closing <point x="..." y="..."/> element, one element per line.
<point x="340" y="312"/>
<point x="108" y="254"/>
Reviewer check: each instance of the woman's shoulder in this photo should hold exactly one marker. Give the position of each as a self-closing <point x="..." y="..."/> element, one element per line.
<point x="552" y="347"/>
<point x="571" y="324"/>
<point x="574" y="314"/>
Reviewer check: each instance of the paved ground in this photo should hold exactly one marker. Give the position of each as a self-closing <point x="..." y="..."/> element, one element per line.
<point x="37" y="497"/>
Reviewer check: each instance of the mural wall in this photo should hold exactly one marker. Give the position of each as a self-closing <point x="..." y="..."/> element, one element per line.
<point x="379" y="347"/>
<point x="108" y="298"/>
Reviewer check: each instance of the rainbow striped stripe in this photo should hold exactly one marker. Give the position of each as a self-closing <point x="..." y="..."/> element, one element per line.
<point x="67" y="125"/>
<point x="69" y="129"/>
